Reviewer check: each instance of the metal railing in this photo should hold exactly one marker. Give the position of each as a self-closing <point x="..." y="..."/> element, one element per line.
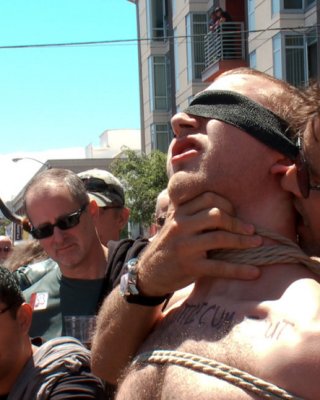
<point x="226" y="42"/>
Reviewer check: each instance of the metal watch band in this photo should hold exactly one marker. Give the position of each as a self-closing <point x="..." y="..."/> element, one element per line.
<point x="129" y="290"/>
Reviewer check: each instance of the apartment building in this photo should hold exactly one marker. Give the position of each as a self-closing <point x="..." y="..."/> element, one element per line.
<point x="179" y="55"/>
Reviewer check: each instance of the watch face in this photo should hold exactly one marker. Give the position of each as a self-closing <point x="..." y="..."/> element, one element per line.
<point x="124" y="285"/>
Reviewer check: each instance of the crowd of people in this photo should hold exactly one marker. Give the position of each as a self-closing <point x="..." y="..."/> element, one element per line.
<point x="222" y="302"/>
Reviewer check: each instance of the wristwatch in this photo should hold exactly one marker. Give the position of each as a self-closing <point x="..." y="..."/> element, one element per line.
<point x="129" y="290"/>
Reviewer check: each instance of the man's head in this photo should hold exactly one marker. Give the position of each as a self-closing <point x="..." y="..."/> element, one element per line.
<point x="303" y="179"/>
<point x="218" y="11"/>
<point x="5" y="248"/>
<point x="162" y="205"/>
<point x="15" y="321"/>
<point x="214" y="152"/>
<point x="62" y="218"/>
<point x="106" y="190"/>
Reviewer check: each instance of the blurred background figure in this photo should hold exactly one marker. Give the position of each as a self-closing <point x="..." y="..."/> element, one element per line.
<point x="108" y="193"/>
<point x="5" y="248"/>
<point x="161" y="209"/>
<point x="28" y="252"/>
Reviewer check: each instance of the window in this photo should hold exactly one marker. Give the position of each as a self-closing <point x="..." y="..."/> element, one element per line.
<point x="275" y="7"/>
<point x="293" y="5"/>
<point x="174" y="8"/>
<point x="157" y="19"/>
<point x="300" y="61"/>
<point x="196" y="27"/>
<point x="176" y="59"/>
<point x="277" y="61"/>
<point x="312" y="58"/>
<point x="251" y="15"/>
<point x="160" y="137"/>
<point x="295" y="62"/>
<point x="159" y="83"/>
<point x="253" y="59"/>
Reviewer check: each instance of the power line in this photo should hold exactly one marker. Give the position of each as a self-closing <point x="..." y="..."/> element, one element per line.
<point x="133" y="41"/>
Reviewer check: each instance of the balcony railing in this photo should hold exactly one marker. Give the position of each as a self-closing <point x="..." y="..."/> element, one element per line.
<point x="226" y="42"/>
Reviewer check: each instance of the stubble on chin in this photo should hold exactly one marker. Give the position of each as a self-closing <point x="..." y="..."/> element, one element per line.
<point x="184" y="186"/>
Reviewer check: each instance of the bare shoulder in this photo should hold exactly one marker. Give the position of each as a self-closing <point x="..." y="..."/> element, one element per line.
<point x="294" y="332"/>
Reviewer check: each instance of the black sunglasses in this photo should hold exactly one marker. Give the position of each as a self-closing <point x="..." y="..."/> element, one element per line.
<point x="303" y="174"/>
<point x="160" y="220"/>
<point x="67" y="222"/>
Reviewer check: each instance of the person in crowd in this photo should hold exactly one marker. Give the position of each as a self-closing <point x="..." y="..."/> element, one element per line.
<point x="57" y="369"/>
<point x="303" y="178"/>
<point x="5" y="248"/>
<point x="63" y="219"/>
<point x="108" y="192"/>
<point x="162" y="204"/>
<point x="218" y="16"/>
<point x="25" y="253"/>
<point x="230" y="141"/>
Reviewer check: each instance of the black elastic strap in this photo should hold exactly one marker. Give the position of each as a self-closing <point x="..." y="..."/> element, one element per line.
<point x="247" y="115"/>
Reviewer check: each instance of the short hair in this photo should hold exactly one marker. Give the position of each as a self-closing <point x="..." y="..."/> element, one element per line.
<point x="277" y="101"/>
<point x="309" y="109"/>
<point x="10" y="292"/>
<point x="61" y="177"/>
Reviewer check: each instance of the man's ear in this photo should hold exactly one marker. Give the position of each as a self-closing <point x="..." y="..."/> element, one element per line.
<point x="24" y="317"/>
<point x="289" y="177"/>
<point x="93" y="208"/>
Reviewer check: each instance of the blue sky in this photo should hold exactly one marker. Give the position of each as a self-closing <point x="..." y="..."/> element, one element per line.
<point x="63" y="97"/>
<point x="66" y="96"/>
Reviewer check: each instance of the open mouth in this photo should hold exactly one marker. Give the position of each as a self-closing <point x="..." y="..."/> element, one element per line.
<point x="184" y="148"/>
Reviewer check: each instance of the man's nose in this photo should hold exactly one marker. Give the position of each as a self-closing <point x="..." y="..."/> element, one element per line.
<point x="58" y="235"/>
<point x="183" y="124"/>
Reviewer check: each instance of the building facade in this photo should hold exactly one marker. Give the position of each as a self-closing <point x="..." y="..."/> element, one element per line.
<point x="179" y="54"/>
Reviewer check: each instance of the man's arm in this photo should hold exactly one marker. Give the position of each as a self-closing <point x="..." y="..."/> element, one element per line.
<point x="175" y="258"/>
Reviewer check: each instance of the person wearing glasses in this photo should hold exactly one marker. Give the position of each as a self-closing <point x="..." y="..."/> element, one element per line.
<point x="303" y="178"/>
<point x="162" y="204"/>
<point x="226" y="338"/>
<point x="63" y="218"/>
<point x="108" y="192"/>
<point x="5" y="248"/>
<point x="57" y="369"/>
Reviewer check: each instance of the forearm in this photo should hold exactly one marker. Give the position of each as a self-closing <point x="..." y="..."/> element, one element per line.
<point x="121" y="328"/>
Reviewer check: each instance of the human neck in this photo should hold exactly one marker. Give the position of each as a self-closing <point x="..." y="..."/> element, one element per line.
<point x="92" y="267"/>
<point x="8" y="381"/>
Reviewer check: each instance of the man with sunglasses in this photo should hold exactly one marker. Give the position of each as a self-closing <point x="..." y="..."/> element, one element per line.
<point x="162" y="204"/>
<point x="107" y="191"/>
<point x="63" y="218"/>
<point x="58" y="369"/>
<point x="225" y="338"/>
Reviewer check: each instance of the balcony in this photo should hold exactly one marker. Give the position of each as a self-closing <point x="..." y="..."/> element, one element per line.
<point x="224" y="49"/>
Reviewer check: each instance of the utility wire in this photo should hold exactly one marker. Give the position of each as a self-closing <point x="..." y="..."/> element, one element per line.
<point x="141" y="40"/>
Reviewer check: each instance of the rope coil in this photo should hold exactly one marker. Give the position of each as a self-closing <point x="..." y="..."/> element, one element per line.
<point x="214" y="368"/>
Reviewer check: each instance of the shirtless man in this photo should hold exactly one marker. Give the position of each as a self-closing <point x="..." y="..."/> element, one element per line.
<point x="249" y="325"/>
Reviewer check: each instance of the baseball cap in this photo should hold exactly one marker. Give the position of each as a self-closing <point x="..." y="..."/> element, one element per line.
<point x="103" y="187"/>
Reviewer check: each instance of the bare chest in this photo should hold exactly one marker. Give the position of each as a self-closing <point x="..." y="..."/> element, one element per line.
<point x="232" y="351"/>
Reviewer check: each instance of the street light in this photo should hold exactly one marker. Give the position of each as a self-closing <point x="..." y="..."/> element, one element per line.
<point x="47" y="165"/>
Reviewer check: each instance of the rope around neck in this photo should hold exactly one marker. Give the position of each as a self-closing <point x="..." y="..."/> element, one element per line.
<point x="286" y="252"/>
<point x="232" y="375"/>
